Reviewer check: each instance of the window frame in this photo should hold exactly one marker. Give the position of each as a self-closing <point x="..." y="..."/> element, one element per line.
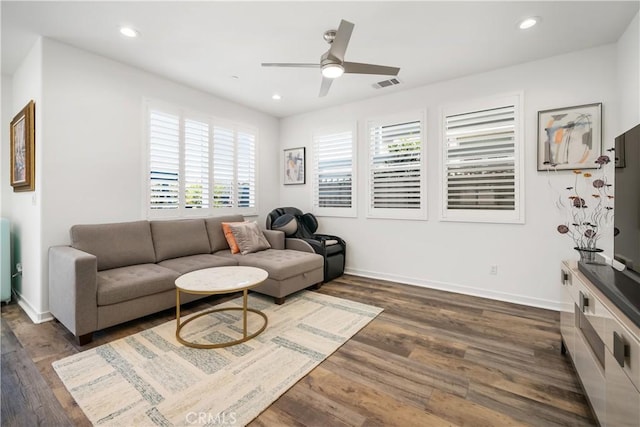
<point x="185" y="114"/>
<point x="515" y="216"/>
<point x="399" y="213"/>
<point x="351" y="212"/>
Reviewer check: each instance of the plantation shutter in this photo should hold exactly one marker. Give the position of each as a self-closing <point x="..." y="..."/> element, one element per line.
<point x="395" y="169"/>
<point x="223" y="167"/>
<point x="164" y="161"/>
<point x="480" y="159"/>
<point x="246" y="169"/>
<point x="196" y="164"/>
<point x="333" y="171"/>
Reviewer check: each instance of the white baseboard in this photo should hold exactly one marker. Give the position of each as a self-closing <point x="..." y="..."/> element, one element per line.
<point x="35" y="315"/>
<point x="461" y="289"/>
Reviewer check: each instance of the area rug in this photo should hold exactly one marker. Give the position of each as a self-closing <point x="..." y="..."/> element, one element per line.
<point x="149" y="379"/>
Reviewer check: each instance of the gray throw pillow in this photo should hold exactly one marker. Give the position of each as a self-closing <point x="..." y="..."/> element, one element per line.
<point x="249" y="237"/>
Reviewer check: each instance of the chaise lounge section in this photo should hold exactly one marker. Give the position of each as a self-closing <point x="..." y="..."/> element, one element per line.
<point x="113" y="273"/>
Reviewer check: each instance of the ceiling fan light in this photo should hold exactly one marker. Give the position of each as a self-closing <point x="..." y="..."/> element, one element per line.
<point x="129" y="32"/>
<point x="332" y="71"/>
<point x="527" y="23"/>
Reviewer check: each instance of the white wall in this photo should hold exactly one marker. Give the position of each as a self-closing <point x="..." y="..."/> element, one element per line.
<point x="458" y="256"/>
<point x="628" y="52"/>
<point x="6" y="89"/>
<point x="93" y="167"/>
<point x="24" y="208"/>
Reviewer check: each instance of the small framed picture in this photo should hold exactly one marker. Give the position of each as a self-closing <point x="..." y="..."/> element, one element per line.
<point x="23" y="149"/>
<point x="570" y="137"/>
<point x="294" y="166"/>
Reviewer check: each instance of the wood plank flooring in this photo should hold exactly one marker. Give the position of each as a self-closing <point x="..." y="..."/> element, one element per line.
<point x="432" y="358"/>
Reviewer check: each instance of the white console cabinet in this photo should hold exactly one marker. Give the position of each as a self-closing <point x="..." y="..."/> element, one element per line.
<point x="604" y="346"/>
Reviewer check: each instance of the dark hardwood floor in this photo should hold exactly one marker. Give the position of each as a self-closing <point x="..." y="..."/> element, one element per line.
<point x="431" y="358"/>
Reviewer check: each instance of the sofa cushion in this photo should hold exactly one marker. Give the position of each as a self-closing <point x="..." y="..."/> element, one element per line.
<point x="217" y="241"/>
<point x="249" y="237"/>
<point x="280" y="264"/>
<point x="115" y="245"/>
<point x="127" y="283"/>
<point x="275" y="238"/>
<point x="178" y="238"/>
<point x="186" y="264"/>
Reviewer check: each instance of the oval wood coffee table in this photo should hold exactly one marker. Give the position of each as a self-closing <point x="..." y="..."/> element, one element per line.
<point x="220" y="280"/>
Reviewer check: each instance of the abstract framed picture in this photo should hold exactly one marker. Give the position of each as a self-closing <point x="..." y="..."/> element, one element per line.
<point x="294" y="166"/>
<point x="570" y="137"/>
<point x="23" y="149"/>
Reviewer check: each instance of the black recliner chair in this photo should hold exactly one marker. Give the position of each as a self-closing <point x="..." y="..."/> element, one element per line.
<point x="295" y="224"/>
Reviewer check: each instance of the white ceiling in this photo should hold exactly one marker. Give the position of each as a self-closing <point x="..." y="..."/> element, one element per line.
<point x="204" y="44"/>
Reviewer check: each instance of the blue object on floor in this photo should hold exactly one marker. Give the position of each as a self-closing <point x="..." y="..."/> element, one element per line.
<point x="5" y="261"/>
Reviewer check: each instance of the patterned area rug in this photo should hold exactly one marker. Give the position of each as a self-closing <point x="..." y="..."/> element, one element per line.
<point x="149" y="379"/>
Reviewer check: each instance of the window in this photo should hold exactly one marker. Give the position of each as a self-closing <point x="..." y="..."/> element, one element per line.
<point x="333" y="173"/>
<point x="198" y="165"/>
<point x="396" y="168"/>
<point x="164" y="161"/>
<point x="481" y="159"/>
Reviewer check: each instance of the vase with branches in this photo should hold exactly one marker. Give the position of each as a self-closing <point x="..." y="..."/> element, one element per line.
<point x="588" y="205"/>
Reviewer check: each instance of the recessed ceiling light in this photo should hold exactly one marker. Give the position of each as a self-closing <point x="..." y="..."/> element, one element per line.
<point x="276" y="97"/>
<point x="528" y="22"/>
<point x="129" y="32"/>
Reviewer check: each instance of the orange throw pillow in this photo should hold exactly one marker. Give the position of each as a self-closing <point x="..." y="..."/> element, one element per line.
<point x="231" y="240"/>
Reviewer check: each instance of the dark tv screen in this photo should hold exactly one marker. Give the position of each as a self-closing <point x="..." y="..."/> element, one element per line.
<point x="626" y="242"/>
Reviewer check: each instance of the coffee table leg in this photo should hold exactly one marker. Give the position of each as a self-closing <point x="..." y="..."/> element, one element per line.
<point x="177" y="309"/>
<point x="244" y="312"/>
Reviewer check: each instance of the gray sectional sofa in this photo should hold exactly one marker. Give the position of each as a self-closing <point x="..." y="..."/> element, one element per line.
<point x="113" y="273"/>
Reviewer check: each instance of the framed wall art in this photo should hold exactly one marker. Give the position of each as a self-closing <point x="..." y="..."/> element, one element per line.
<point x="294" y="165"/>
<point x="23" y="149"/>
<point x="570" y="137"/>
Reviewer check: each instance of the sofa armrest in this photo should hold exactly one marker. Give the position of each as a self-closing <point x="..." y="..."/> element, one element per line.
<point x="73" y="288"/>
<point x="275" y="238"/>
<point x="298" y="245"/>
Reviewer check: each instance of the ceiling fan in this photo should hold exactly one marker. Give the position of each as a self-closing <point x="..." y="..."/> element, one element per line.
<point x="332" y="63"/>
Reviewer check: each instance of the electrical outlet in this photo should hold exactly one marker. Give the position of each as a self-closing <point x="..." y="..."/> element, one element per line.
<point x="19" y="267"/>
<point x="494" y="270"/>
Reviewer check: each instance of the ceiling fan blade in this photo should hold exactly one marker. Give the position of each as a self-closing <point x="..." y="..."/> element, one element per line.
<point x="324" y="87"/>
<point x="289" y="64"/>
<point x="339" y="45"/>
<point x="359" y="68"/>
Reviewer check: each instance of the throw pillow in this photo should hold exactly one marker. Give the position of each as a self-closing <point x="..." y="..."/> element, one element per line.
<point x="231" y="240"/>
<point x="249" y="237"/>
<point x="286" y="223"/>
